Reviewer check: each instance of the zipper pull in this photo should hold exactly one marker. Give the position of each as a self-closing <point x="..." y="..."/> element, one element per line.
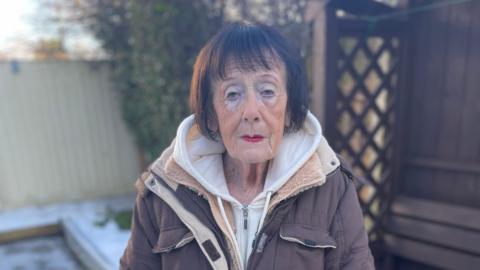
<point x="347" y="172"/>
<point x="245" y="217"/>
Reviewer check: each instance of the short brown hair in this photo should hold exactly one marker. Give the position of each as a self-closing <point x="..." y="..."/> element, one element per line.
<point x="249" y="45"/>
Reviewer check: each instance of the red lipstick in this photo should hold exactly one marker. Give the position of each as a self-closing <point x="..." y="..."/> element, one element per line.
<point x="252" y="139"/>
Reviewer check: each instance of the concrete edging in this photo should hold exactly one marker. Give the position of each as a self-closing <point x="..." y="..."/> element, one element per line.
<point x="83" y="247"/>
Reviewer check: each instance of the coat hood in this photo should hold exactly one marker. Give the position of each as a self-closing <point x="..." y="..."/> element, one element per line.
<point x="202" y="158"/>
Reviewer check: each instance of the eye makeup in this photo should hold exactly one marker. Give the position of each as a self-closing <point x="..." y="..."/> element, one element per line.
<point x="233" y="95"/>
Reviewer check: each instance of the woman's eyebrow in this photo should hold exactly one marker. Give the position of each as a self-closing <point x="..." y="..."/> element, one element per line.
<point x="270" y="75"/>
<point x="226" y="79"/>
<point x="223" y="83"/>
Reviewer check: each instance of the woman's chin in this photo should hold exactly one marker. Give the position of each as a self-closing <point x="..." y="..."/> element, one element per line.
<point x="255" y="156"/>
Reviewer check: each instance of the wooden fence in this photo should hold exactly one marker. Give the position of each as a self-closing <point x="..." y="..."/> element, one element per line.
<point x="435" y="216"/>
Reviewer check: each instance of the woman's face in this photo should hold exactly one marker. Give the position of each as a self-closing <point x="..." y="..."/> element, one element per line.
<point x="251" y="110"/>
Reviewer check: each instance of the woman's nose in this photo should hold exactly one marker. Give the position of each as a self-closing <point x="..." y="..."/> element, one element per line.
<point x="251" y="111"/>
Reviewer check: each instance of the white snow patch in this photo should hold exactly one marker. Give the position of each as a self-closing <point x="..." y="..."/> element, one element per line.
<point x="108" y="240"/>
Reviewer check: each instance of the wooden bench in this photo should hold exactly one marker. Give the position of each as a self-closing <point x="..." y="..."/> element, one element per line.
<point x="434" y="233"/>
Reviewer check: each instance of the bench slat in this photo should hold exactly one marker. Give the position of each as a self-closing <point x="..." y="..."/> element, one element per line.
<point x="432" y="255"/>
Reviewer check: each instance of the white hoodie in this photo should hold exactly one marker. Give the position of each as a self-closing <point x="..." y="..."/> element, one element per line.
<point x="202" y="159"/>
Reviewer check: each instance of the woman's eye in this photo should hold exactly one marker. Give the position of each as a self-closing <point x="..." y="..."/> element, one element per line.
<point x="267" y="90"/>
<point x="268" y="93"/>
<point x="232" y="95"/>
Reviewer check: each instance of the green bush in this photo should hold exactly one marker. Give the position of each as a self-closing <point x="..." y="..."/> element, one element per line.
<point x="123" y="218"/>
<point x="154" y="68"/>
<point x="153" y="44"/>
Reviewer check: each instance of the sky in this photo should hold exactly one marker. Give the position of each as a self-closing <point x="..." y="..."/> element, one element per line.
<point x="14" y="20"/>
<point x="19" y="29"/>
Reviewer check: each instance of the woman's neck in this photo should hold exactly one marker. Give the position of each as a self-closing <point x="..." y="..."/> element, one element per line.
<point x="244" y="181"/>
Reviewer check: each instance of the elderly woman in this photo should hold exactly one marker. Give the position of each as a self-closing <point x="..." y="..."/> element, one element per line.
<point x="249" y="182"/>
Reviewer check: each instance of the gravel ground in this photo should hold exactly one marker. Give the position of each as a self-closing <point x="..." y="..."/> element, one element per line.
<point x="44" y="253"/>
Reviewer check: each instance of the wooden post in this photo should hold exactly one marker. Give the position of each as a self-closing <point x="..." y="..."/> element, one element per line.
<point x="317" y="15"/>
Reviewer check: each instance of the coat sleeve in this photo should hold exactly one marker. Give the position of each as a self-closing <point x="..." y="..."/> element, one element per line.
<point x="138" y="253"/>
<point x="353" y="240"/>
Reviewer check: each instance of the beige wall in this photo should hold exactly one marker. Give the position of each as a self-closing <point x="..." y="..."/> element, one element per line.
<point x="61" y="134"/>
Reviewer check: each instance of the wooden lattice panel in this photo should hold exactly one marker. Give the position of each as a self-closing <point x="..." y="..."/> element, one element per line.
<point x="367" y="76"/>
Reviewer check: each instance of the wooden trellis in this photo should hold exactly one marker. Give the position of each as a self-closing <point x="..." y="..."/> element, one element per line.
<point x="361" y="114"/>
<point x="397" y="90"/>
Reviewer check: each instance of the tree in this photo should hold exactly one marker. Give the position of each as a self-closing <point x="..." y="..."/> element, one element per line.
<point x="165" y="38"/>
<point x="49" y="49"/>
<point x="152" y="46"/>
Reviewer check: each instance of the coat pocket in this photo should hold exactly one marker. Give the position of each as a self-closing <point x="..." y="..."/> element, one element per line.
<point x="172" y="239"/>
<point x="307" y="236"/>
<point x="301" y="246"/>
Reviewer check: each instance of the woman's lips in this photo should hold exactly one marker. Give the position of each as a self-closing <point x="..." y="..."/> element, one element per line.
<point x="252" y="139"/>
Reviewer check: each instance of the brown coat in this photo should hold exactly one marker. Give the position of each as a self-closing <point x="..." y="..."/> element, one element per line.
<point x="314" y="222"/>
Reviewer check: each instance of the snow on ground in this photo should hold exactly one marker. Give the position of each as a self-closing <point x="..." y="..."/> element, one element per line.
<point x="49" y="253"/>
<point x="108" y="240"/>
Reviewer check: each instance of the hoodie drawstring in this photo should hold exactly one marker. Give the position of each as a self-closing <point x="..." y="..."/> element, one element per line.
<point x="265" y="209"/>
<point x="229" y="228"/>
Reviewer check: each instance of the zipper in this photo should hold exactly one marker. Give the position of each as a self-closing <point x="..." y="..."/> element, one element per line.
<point x="245" y="229"/>
<point x="346" y="172"/>
<point x="245" y="217"/>
<point x="268" y="220"/>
